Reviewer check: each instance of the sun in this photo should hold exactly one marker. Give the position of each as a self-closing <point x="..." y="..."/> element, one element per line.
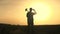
<point x="43" y="12"/>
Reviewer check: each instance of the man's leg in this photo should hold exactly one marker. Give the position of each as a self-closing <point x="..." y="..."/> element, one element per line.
<point x="29" y="27"/>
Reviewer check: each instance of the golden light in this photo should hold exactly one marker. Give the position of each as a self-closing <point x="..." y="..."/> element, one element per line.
<point x="43" y="12"/>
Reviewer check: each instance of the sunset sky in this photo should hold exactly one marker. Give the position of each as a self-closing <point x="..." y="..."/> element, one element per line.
<point x="13" y="11"/>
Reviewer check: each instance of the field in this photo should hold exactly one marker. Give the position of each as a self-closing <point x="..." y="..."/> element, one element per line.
<point x="38" y="29"/>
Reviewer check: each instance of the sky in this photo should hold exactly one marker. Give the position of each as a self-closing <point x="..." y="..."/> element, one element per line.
<point x="13" y="11"/>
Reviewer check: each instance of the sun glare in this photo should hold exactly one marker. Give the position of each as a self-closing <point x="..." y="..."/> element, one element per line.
<point x="43" y="12"/>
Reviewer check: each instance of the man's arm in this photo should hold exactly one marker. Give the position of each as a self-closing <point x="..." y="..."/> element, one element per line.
<point x="34" y="11"/>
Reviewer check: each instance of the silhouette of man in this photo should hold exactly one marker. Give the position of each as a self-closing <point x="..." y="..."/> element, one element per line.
<point x="30" y="19"/>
